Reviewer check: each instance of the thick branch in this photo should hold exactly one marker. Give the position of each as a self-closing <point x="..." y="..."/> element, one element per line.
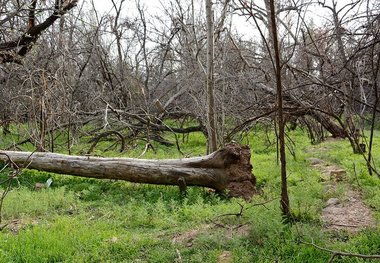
<point x="29" y="37"/>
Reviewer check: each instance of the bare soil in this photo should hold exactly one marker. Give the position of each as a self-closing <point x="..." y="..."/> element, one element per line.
<point x="225" y="257"/>
<point x="187" y="237"/>
<point x="18" y="224"/>
<point x="229" y="232"/>
<point x="348" y="212"/>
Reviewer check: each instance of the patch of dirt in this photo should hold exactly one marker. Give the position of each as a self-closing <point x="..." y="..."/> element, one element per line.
<point x="188" y="236"/>
<point x="316" y="162"/>
<point x="243" y="230"/>
<point x="16" y="225"/>
<point x="240" y="230"/>
<point x="113" y="240"/>
<point x="333" y="139"/>
<point x="225" y="257"/>
<point x="229" y="232"/>
<point x="328" y="172"/>
<point x="349" y="213"/>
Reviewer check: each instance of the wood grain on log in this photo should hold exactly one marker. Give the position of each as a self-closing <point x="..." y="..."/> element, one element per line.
<point x="226" y="169"/>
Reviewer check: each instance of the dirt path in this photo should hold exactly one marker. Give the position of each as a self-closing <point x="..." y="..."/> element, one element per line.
<point x="346" y="211"/>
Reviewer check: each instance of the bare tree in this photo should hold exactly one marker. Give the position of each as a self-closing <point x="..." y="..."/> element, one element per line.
<point x="12" y="50"/>
<point x="280" y="118"/>
<point x="211" y="114"/>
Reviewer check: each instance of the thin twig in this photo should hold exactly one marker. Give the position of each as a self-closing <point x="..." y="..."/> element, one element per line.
<point x="264" y="203"/>
<point x="339" y="253"/>
<point x="14" y="175"/>
<point x="147" y="146"/>
<point x="234" y="214"/>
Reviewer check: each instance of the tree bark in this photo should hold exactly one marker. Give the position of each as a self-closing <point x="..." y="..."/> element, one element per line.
<point x="285" y="206"/>
<point x="211" y="114"/>
<point x="307" y="108"/>
<point x="327" y="122"/>
<point x="26" y="40"/>
<point x="227" y="169"/>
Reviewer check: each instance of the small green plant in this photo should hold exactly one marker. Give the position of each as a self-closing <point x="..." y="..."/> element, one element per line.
<point x="89" y="220"/>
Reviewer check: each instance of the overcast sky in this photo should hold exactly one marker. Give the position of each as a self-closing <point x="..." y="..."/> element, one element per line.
<point x="156" y="7"/>
<point x="240" y="24"/>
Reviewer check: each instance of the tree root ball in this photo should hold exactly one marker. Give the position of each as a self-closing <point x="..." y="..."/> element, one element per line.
<point x="241" y="181"/>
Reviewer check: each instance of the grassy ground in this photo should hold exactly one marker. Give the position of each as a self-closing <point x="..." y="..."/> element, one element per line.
<point x="84" y="220"/>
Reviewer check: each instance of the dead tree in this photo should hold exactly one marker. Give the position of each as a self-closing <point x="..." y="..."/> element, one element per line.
<point x="211" y="115"/>
<point x="228" y="169"/>
<point x="13" y="50"/>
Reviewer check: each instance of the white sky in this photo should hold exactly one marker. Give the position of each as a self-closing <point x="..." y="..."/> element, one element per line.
<point x="155" y="7"/>
<point x="245" y="28"/>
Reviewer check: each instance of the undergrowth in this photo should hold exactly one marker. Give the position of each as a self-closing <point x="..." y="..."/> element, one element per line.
<point x="87" y="220"/>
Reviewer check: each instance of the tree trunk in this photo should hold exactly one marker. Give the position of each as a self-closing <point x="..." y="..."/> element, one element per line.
<point x="5" y="123"/>
<point x="227" y="169"/>
<point x="306" y="108"/>
<point x="285" y="206"/>
<point x="326" y="121"/>
<point x="211" y="114"/>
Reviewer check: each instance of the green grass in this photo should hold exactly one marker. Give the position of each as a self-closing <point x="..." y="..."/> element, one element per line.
<point x="87" y="220"/>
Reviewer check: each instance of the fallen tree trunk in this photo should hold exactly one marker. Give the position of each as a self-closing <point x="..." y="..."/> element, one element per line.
<point x="226" y="169"/>
<point x="304" y="107"/>
<point x="337" y="131"/>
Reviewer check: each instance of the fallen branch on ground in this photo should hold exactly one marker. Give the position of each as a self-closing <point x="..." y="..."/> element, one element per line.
<point x="335" y="254"/>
